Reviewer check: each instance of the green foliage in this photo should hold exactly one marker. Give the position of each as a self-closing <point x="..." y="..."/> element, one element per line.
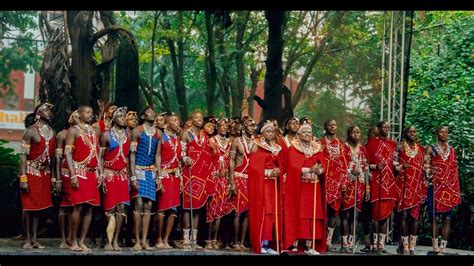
<point x="18" y="50"/>
<point x="8" y="155"/>
<point x="441" y="92"/>
<point x="327" y="106"/>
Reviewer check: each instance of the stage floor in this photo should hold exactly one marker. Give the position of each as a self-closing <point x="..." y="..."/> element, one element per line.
<point x="9" y="246"/>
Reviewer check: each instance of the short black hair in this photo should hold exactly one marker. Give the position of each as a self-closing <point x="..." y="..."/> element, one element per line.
<point x="81" y="108"/>
<point x="381" y="123"/>
<point x="29" y="120"/>
<point x="328" y="121"/>
<point x="438" y="129"/>
<point x="351" y="129"/>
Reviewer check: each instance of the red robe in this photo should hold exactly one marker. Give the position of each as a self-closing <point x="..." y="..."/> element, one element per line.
<point x="349" y="195"/>
<point x="299" y="201"/>
<point x="200" y="154"/>
<point x="85" y="161"/>
<point x="262" y="197"/>
<point x="221" y="204"/>
<point x="284" y="151"/>
<point x="410" y="183"/>
<point x="168" y="197"/>
<point x="382" y="187"/>
<point x="335" y="172"/>
<point x="446" y="181"/>
<point x="241" y="200"/>
<point x="116" y="177"/>
<point x="38" y="170"/>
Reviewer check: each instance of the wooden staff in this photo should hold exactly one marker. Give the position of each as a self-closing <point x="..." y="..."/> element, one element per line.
<point x="276" y="216"/>
<point x="314" y="214"/>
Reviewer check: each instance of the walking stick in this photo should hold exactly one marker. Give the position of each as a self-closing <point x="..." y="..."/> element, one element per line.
<point x="191" y="208"/>
<point x="314" y="215"/>
<point x="435" y="239"/>
<point x="355" y="215"/>
<point x="276" y="216"/>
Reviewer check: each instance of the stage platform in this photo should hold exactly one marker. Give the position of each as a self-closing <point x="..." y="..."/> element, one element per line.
<point x="9" y="246"/>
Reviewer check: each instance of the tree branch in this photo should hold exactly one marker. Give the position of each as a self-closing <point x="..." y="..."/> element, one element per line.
<point x="108" y="30"/>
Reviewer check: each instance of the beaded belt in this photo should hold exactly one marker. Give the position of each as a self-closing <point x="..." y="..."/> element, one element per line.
<point x="241" y="175"/>
<point x="146" y="168"/>
<point x="268" y="172"/>
<point x="167" y="173"/>
<point x="309" y="177"/>
<point x="34" y="168"/>
<point x="110" y="173"/>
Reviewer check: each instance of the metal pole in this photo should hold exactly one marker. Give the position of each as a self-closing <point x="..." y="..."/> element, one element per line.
<point x="390" y="76"/>
<point x="402" y="72"/>
<point x="383" y="68"/>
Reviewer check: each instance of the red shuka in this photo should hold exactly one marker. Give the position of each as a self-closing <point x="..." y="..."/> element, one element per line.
<point x="85" y="161"/>
<point x="382" y="186"/>
<point x="116" y="177"/>
<point x="221" y="204"/>
<point x="349" y="195"/>
<point x="446" y="181"/>
<point x="410" y="183"/>
<point x="335" y="172"/>
<point x="38" y="170"/>
<point x="200" y="154"/>
<point x="168" y="197"/>
<point x="241" y="200"/>
<point x="262" y="195"/>
<point x="298" y="200"/>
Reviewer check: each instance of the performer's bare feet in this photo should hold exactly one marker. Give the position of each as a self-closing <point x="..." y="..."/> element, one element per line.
<point x="116" y="246"/>
<point x="146" y="247"/>
<point x="84" y="248"/>
<point x="243" y="247"/>
<point x="167" y="246"/>
<point x="37" y="245"/>
<point x="75" y="247"/>
<point x="236" y="247"/>
<point x="108" y="247"/>
<point x="209" y="245"/>
<point x="137" y="247"/>
<point x="27" y="245"/>
<point x="63" y="245"/>
<point x="159" y="245"/>
<point x="185" y="244"/>
<point x="215" y="244"/>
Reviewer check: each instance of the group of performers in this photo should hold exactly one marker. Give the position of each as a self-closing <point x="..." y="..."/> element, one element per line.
<point x="288" y="188"/>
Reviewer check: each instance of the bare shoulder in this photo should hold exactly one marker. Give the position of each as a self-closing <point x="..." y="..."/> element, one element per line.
<point x="184" y="135"/>
<point x="136" y="132"/>
<point x="399" y="147"/>
<point x="428" y="149"/>
<point x="29" y="133"/>
<point x="254" y="148"/>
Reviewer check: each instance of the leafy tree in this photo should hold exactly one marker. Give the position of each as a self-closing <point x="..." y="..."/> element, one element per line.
<point x="18" y="49"/>
<point x="441" y="92"/>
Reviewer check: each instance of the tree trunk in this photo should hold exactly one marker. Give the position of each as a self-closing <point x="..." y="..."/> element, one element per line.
<point x="108" y="53"/>
<point x="177" y="60"/>
<point x="163" y="72"/>
<point x="126" y="91"/>
<point x="225" y="80"/>
<point x="237" y="101"/>
<point x="82" y="66"/>
<point x="254" y="74"/>
<point x="151" y="76"/>
<point x="211" y="64"/>
<point x="273" y="88"/>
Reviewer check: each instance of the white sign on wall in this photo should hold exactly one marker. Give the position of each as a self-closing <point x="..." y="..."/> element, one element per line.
<point x="12" y="119"/>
